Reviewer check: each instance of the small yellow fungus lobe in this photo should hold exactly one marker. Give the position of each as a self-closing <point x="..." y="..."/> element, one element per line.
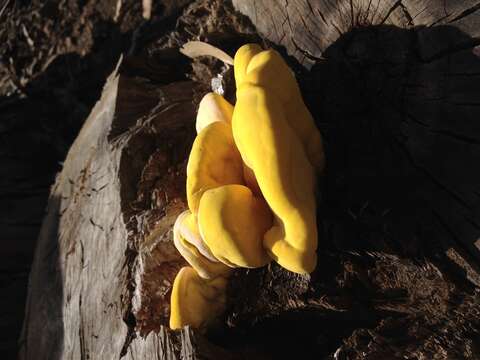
<point x="214" y="161"/>
<point x="212" y="108"/>
<point x="189" y="243"/>
<point x="196" y="301"/>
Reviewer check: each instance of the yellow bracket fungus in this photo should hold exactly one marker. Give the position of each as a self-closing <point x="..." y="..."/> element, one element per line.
<point x="278" y="140"/>
<point x="250" y="186"/>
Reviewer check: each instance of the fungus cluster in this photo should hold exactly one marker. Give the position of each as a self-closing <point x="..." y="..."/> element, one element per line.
<point x="250" y="186"/>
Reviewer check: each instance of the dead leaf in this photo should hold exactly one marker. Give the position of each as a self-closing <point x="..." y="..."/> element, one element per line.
<point x="194" y="49"/>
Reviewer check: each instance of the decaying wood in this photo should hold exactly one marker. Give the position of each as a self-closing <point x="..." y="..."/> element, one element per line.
<point x="80" y="283"/>
<point x="393" y="86"/>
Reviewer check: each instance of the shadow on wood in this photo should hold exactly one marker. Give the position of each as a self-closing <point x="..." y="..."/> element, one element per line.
<point x="400" y="210"/>
<point x="402" y="139"/>
<point x="45" y="297"/>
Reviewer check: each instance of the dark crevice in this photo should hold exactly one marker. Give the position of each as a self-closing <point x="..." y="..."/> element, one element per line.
<point x="376" y="9"/>
<point x="81" y="334"/>
<point x="368" y="10"/>
<point x="129" y="317"/>
<point x="352" y="18"/>
<point x="322" y="16"/>
<point x="406" y="13"/>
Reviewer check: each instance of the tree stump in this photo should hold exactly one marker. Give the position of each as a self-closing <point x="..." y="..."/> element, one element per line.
<point x="393" y="87"/>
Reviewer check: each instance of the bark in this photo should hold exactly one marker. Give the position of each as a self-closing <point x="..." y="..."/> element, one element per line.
<point x="393" y="88"/>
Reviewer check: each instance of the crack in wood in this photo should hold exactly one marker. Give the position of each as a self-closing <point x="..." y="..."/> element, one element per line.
<point x="306" y="53"/>
<point x="288" y="19"/>
<point x="321" y="16"/>
<point x="375" y="12"/>
<point x="100" y="188"/>
<point x="310" y="6"/>
<point x="432" y="177"/>
<point x="275" y="28"/>
<point x="459" y="137"/>
<point x="335" y="26"/>
<point x="312" y="36"/>
<point x="420" y="13"/>
<point x="128" y="316"/>
<point x="96" y="225"/>
<point x="82" y="253"/>
<point x="351" y="14"/>
<point x="406" y="13"/>
<point x="390" y="11"/>
<point x="368" y="10"/>
<point x="81" y="332"/>
<point x="465" y="13"/>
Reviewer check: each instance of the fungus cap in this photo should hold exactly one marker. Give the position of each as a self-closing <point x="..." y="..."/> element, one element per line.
<point x="268" y="70"/>
<point x="195" y="301"/>
<point x="189" y="243"/>
<point x="278" y="155"/>
<point x="214" y="161"/>
<point x="213" y="107"/>
<point x="232" y="222"/>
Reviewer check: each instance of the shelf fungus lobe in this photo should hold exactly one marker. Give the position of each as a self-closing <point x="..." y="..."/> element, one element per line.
<point x="278" y="140"/>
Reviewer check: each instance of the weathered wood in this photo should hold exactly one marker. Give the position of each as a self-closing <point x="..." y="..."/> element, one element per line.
<point x="79" y="290"/>
<point x="308" y="27"/>
<point x="393" y="88"/>
<point x="105" y="262"/>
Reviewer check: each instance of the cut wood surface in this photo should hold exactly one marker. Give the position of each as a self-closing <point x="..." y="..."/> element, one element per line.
<point x="392" y="85"/>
